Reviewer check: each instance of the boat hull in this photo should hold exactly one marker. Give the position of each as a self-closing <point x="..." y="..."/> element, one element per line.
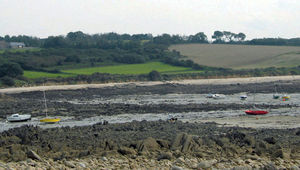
<point x="50" y="120"/>
<point x="256" y="112"/>
<point x="18" y="118"/>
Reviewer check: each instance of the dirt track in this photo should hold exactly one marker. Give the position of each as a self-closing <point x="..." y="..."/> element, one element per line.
<point x="182" y="82"/>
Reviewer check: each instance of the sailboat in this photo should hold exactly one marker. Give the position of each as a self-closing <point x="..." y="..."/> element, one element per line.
<point x="276" y="95"/>
<point x="48" y="119"/>
<point x="256" y="111"/>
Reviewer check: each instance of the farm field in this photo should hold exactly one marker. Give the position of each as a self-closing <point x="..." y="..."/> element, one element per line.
<point x="38" y="74"/>
<point x="240" y="56"/>
<point x="20" y="50"/>
<point x="130" y="69"/>
<point x="117" y="69"/>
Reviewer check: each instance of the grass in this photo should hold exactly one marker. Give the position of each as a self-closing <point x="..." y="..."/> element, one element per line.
<point x="135" y="69"/>
<point x="14" y="50"/>
<point x="240" y="56"/>
<point x="130" y="69"/>
<point x="37" y="74"/>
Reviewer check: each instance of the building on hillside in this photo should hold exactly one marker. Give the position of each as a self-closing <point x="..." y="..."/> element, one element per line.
<point x="3" y="45"/>
<point x="16" y="45"/>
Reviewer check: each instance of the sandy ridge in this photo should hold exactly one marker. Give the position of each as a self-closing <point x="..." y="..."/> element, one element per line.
<point x="193" y="81"/>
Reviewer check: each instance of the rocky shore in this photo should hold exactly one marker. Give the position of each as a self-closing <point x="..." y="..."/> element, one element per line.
<point x="147" y="144"/>
<point x="150" y="144"/>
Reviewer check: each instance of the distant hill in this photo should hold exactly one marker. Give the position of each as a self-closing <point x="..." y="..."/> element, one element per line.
<point x="240" y="56"/>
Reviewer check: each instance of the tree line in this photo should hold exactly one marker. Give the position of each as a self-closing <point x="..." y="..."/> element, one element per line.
<point x="126" y="41"/>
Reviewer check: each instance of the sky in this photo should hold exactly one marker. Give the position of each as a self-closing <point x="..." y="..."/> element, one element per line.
<point x="255" y="18"/>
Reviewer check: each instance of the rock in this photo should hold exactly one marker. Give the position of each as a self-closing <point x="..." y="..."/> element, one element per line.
<point x="69" y="164"/>
<point x="270" y="166"/>
<point x="31" y="154"/>
<point x="180" y="160"/>
<point x="82" y="165"/>
<point x="183" y="142"/>
<point x="84" y="153"/>
<point x="165" y="155"/>
<point x="252" y="157"/>
<point x="148" y="144"/>
<point x="104" y="158"/>
<point x="163" y="143"/>
<point x="204" y="164"/>
<point x="242" y="168"/>
<point x="126" y="151"/>
<point x="176" y="168"/>
<point x="279" y="152"/>
<point x="270" y="140"/>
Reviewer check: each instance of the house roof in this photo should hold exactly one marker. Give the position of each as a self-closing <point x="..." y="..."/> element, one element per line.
<point x="16" y="44"/>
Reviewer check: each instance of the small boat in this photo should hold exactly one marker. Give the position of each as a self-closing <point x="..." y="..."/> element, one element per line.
<point x="256" y="112"/>
<point x="218" y="96"/>
<point x="243" y="97"/>
<point x="285" y="97"/>
<point x="18" y="118"/>
<point x="209" y="95"/>
<point x="50" y="120"/>
<point x="276" y="96"/>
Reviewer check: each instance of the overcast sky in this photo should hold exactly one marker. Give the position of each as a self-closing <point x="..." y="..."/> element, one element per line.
<point x="255" y="18"/>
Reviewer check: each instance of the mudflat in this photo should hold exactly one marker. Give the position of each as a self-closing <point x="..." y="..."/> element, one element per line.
<point x="208" y="133"/>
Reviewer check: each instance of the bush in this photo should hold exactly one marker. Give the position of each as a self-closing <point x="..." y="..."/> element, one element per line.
<point x="11" y="70"/>
<point x="7" y="81"/>
<point x="154" y="76"/>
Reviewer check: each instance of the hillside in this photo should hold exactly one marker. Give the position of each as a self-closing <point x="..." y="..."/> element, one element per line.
<point x="240" y="56"/>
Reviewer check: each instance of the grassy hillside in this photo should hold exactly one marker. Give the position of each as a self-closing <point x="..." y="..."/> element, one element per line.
<point x="118" y="69"/>
<point x="240" y="56"/>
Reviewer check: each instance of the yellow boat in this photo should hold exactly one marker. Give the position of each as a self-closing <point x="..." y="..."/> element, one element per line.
<point x="50" y="120"/>
<point x="286" y="97"/>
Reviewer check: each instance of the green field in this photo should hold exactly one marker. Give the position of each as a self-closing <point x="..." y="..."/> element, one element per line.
<point x="37" y="74"/>
<point x="130" y="69"/>
<point x="240" y="56"/>
<point x="14" y="50"/>
<point x="117" y="69"/>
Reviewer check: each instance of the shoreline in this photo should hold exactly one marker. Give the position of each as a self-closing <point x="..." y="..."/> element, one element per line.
<point x="224" y="81"/>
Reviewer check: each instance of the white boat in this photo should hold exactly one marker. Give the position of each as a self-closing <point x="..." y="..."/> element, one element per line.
<point x="218" y="96"/>
<point x="209" y="95"/>
<point x="18" y="118"/>
<point x="243" y="97"/>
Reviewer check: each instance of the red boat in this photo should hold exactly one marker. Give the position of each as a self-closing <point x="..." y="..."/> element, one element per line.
<point x="256" y="112"/>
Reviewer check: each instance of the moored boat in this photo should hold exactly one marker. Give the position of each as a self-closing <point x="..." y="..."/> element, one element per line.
<point x="50" y="120"/>
<point x="256" y="112"/>
<point x="18" y="118"/>
<point x="243" y="97"/>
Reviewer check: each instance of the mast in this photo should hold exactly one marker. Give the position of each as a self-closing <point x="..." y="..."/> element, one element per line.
<point x="45" y="102"/>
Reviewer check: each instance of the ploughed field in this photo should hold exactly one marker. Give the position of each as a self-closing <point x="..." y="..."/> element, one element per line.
<point x="240" y="56"/>
<point x="128" y="123"/>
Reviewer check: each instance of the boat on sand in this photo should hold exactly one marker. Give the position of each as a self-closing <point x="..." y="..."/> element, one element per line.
<point x="18" y="118"/>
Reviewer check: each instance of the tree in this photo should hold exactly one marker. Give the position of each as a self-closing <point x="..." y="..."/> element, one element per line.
<point x="11" y="70"/>
<point x="7" y="81"/>
<point x="154" y="76"/>
<point x="218" y="36"/>
<point x="198" y="38"/>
